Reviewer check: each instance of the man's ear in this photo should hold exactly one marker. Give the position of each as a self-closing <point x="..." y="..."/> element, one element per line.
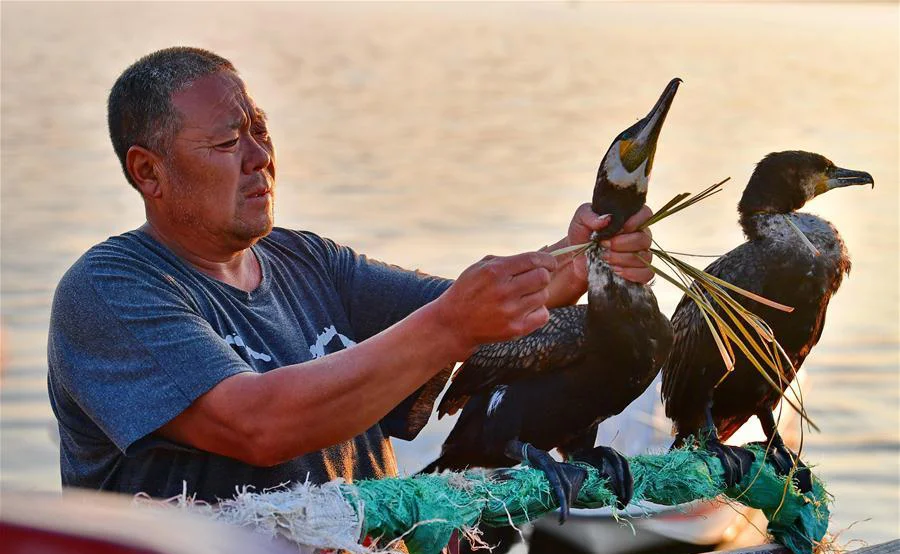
<point x="144" y="167"/>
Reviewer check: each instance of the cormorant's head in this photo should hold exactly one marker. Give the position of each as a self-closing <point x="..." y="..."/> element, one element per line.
<point x="784" y="181"/>
<point x="621" y="187"/>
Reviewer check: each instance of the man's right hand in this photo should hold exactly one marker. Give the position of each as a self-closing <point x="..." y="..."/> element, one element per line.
<point x="497" y="299"/>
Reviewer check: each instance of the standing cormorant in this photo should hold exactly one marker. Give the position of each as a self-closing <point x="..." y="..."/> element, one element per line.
<point x="551" y="388"/>
<point x="779" y="264"/>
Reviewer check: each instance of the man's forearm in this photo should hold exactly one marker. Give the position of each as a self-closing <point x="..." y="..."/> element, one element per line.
<point x="341" y="395"/>
<point x="268" y="418"/>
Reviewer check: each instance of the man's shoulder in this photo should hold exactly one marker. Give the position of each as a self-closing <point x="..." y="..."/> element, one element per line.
<point x="132" y="246"/>
<point x="105" y="271"/>
<point x="131" y="253"/>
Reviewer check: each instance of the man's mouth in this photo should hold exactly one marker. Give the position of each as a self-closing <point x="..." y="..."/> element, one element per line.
<point x="259" y="193"/>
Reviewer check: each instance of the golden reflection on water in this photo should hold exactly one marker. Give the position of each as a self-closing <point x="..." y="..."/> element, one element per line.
<point x="430" y="135"/>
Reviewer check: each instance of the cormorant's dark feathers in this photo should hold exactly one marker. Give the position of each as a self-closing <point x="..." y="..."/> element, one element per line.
<point x="694" y="365"/>
<point x="554" y="346"/>
<point x="778" y="266"/>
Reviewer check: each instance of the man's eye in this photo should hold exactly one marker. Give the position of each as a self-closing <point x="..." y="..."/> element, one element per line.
<point x="229" y="143"/>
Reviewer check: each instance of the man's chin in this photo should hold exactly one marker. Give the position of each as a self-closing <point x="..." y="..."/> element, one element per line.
<point x="253" y="232"/>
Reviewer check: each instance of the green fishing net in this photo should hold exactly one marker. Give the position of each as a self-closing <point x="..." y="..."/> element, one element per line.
<point x="427" y="509"/>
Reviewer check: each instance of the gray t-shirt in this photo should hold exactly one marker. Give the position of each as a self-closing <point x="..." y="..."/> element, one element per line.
<point x="136" y="335"/>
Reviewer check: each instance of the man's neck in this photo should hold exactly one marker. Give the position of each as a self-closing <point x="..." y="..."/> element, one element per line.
<point x="238" y="268"/>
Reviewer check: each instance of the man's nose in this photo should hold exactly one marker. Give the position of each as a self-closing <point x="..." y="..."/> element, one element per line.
<point x="257" y="156"/>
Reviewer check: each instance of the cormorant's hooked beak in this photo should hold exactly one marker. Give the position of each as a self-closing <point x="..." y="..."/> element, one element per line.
<point x="839" y="177"/>
<point x="638" y="143"/>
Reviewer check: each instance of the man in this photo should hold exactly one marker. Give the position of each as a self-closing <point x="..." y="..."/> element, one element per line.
<point x="191" y="352"/>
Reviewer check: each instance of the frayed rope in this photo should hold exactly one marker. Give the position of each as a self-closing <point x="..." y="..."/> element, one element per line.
<point x="424" y="510"/>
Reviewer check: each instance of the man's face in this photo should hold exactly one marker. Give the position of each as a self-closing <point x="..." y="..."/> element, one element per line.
<point x="221" y="168"/>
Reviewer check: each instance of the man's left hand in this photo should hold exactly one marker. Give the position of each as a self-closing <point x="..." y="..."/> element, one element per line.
<point x="629" y="250"/>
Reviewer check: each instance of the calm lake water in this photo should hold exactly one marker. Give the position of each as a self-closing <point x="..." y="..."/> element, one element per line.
<point x="429" y="135"/>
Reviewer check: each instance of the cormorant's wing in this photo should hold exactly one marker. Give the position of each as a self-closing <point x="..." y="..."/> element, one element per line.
<point x="694" y="365"/>
<point x="552" y="347"/>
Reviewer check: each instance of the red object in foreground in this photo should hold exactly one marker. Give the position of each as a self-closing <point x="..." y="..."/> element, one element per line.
<point x="105" y="523"/>
<point x="18" y="539"/>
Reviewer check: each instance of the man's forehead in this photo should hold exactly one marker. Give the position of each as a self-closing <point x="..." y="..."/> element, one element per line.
<point x="220" y="99"/>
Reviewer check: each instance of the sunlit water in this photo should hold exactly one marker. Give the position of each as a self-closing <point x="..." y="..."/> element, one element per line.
<point x="430" y="135"/>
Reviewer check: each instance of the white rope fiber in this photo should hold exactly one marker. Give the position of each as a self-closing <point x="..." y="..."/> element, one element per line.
<point x="307" y="515"/>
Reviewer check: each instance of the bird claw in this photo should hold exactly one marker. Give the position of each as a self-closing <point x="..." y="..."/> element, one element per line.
<point x="786" y="461"/>
<point x="612" y="466"/>
<point x="736" y="461"/>
<point x="565" y="479"/>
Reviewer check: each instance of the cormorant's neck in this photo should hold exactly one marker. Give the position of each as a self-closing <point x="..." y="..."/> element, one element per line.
<point x="620" y="201"/>
<point x="783" y="230"/>
<point x="600" y="274"/>
<point x="753" y="224"/>
<point x="761" y="225"/>
<point x="770" y="192"/>
<point x="605" y="286"/>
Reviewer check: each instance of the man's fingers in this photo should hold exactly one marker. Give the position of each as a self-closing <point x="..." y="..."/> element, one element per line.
<point x="523" y="263"/>
<point x="531" y="281"/>
<point x="637" y="219"/>
<point x="586" y="217"/>
<point x="631" y="242"/>
<point x="584" y="222"/>
<point x="628" y="259"/>
<point x="634" y="274"/>
<point x="535" y="320"/>
<point x="533" y="300"/>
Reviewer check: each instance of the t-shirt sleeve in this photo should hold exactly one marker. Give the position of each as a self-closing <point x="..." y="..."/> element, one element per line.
<point x="376" y="295"/>
<point x="129" y="348"/>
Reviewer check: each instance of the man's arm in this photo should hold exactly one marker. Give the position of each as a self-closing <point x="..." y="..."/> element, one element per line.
<point x="626" y="251"/>
<point x="264" y="419"/>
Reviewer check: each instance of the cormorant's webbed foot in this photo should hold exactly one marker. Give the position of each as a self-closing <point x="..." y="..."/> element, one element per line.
<point x="735" y="460"/>
<point x="614" y="467"/>
<point x="565" y="479"/>
<point x="784" y="461"/>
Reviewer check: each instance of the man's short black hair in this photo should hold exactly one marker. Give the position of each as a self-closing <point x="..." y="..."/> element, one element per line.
<point x="140" y="111"/>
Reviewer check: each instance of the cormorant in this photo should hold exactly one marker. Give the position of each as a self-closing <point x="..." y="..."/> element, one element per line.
<point x="551" y="388"/>
<point x="777" y="263"/>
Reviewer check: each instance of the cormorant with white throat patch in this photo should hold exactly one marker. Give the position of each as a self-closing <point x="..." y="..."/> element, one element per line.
<point x="550" y="389"/>
<point x="776" y="263"/>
